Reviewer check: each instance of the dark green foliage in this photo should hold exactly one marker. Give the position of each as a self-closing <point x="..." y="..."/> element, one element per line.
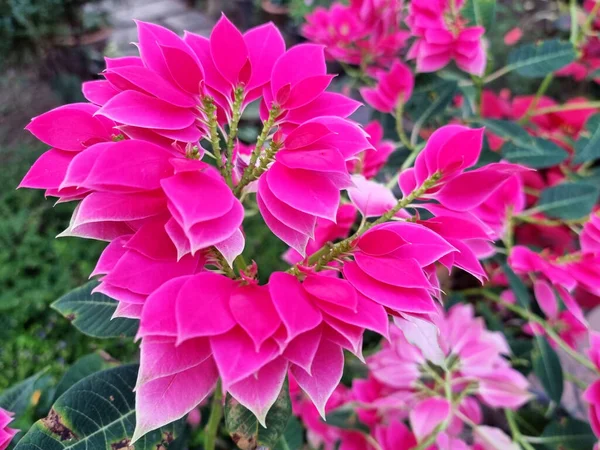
<point x="244" y="428"/>
<point x="103" y="421"/>
<point x="568" y="201"/>
<point x="35" y="270"/>
<point x="548" y="369"/>
<point x="568" y="434"/>
<point x="91" y="313"/>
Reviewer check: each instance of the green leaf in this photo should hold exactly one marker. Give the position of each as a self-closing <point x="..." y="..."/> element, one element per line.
<point x="568" y="201"/>
<point x="539" y="155"/>
<point x="96" y="413"/>
<point x="430" y="98"/>
<point x="516" y="285"/>
<point x="81" y="369"/>
<point x="480" y="12"/>
<point x="18" y="398"/>
<point x="91" y="313"/>
<point x="347" y="419"/>
<point x="568" y="434"/>
<point x="588" y="149"/>
<point x="520" y="147"/>
<point x="244" y="428"/>
<point x="539" y="59"/>
<point x="293" y="436"/>
<point x="548" y="369"/>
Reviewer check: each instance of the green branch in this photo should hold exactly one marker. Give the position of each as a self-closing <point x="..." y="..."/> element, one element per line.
<point x="329" y="252"/>
<point x="216" y="413"/>
<point x="210" y="110"/>
<point x="248" y="175"/>
<point x="529" y="316"/>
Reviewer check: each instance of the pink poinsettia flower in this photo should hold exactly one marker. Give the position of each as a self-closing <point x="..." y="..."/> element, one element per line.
<point x="393" y="88"/>
<point x="568" y="326"/>
<point x="249" y="338"/>
<point x="372" y="199"/>
<point x="471" y="239"/>
<point x="366" y="32"/>
<point x="526" y="261"/>
<point x="398" y="247"/>
<point x="370" y="162"/>
<point x="6" y="434"/>
<point x="588" y="63"/>
<point x="562" y="276"/>
<point x="162" y="92"/>
<point x="449" y="182"/>
<point x="304" y="182"/>
<point x="165" y="86"/>
<point x="507" y="200"/>
<point x="585" y="269"/>
<point x="479" y="355"/>
<point x="157" y="102"/>
<point x="554" y="124"/>
<point x="442" y="36"/>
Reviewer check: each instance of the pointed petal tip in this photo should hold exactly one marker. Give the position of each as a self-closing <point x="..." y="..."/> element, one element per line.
<point x="65" y="233"/>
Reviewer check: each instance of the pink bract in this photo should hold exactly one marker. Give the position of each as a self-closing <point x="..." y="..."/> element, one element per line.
<point x="442" y="36"/>
<point x="393" y="88"/>
<point x="6" y="434"/>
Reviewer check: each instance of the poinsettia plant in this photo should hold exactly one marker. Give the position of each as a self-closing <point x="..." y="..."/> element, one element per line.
<point x="441" y="258"/>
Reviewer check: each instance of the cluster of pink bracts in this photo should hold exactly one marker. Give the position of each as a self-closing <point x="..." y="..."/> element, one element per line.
<point x="132" y="157"/>
<point x="366" y="33"/>
<point x="401" y="387"/>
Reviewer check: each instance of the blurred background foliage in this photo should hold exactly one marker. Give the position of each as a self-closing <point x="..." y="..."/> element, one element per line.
<point x="36" y="269"/>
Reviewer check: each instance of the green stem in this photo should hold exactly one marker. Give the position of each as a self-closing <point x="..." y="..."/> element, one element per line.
<point x="576" y="381"/>
<point x="544" y="85"/>
<point x="410" y="159"/>
<point x="581" y="359"/>
<point x="400" y="126"/>
<point x="233" y="128"/>
<point x="260" y="142"/>
<point x="590" y="18"/>
<point x="478" y="83"/>
<point x="265" y="160"/>
<point x="574" y="22"/>
<point x="329" y="252"/>
<point x="497" y="74"/>
<point x="514" y="429"/>
<point x="216" y="413"/>
<point x="509" y="237"/>
<point x="222" y="263"/>
<point x="431" y="438"/>
<point x="566" y="107"/>
<point x="213" y="129"/>
<point x="548" y="222"/>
